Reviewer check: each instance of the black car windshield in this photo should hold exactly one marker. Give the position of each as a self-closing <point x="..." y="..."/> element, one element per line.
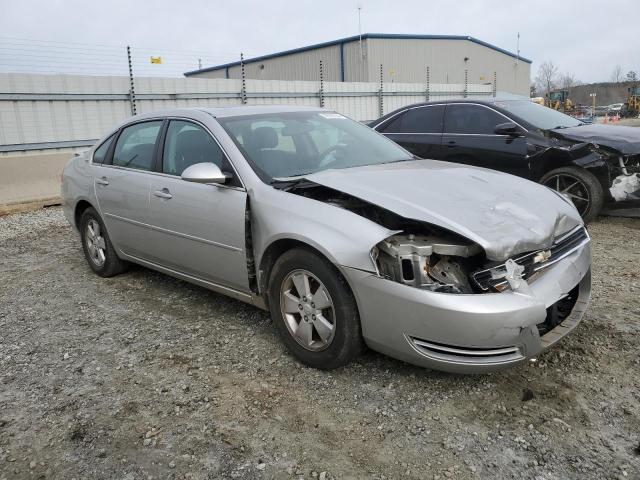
<point x="540" y="117"/>
<point x="282" y="145"/>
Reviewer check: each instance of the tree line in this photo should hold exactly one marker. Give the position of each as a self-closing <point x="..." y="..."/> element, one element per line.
<point x="550" y="78"/>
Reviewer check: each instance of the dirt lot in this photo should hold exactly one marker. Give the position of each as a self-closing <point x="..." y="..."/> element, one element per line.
<point x="143" y="376"/>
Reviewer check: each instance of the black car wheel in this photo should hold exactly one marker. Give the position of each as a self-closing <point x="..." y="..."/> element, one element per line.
<point x="582" y="187"/>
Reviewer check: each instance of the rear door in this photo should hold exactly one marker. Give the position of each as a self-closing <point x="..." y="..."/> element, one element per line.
<point x="469" y="137"/>
<point x="197" y="229"/>
<point x="419" y="130"/>
<point x="122" y="186"/>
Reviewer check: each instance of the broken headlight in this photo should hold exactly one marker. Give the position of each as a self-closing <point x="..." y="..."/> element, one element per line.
<point x="425" y="261"/>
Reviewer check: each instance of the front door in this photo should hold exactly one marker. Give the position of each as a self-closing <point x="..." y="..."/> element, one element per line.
<point x="197" y="229"/>
<point x="122" y="187"/>
<point x="469" y="137"/>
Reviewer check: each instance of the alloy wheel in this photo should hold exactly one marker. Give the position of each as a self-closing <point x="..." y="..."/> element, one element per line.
<point x="96" y="245"/>
<point x="573" y="188"/>
<point x="307" y="309"/>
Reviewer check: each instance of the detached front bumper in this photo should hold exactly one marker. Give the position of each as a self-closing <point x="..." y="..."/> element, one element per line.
<point x="469" y="333"/>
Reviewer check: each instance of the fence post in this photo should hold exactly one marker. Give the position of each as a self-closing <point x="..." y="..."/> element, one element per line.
<point x="427" y="93"/>
<point x="243" y="91"/>
<point x="132" y="92"/>
<point x="321" y="86"/>
<point x="495" y="84"/>
<point x="380" y="99"/>
<point x="466" y="83"/>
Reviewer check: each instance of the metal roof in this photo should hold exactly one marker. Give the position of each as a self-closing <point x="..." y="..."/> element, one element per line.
<point x="397" y="36"/>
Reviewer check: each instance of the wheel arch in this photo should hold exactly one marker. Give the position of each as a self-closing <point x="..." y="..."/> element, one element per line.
<point x="281" y="245"/>
<point x="79" y="209"/>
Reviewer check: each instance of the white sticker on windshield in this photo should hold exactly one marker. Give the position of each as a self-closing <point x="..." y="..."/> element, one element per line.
<point x="332" y="115"/>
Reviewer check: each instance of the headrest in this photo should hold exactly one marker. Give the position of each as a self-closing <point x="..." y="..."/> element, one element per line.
<point x="191" y="140"/>
<point x="264" y="137"/>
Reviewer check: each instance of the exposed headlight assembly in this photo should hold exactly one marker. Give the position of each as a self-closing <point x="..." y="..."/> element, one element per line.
<point x="426" y="262"/>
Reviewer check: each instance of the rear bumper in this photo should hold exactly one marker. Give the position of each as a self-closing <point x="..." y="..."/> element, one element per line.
<point x="469" y="333"/>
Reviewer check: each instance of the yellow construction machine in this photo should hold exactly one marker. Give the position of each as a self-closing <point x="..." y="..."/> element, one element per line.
<point x="559" y="100"/>
<point x="632" y="104"/>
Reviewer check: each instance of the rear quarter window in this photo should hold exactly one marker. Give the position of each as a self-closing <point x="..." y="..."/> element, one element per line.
<point x="100" y="155"/>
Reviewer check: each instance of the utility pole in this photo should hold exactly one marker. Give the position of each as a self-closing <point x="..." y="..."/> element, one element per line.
<point x="199" y="64"/>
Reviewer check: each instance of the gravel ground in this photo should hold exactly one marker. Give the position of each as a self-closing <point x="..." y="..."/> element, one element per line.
<point x="143" y="376"/>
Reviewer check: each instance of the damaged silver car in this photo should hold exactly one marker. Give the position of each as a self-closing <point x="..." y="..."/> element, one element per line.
<point x="345" y="237"/>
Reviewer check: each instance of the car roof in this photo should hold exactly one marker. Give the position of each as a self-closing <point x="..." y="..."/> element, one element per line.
<point x="475" y="100"/>
<point x="229" y="111"/>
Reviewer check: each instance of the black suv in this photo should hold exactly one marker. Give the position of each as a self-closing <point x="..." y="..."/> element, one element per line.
<point x="590" y="164"/>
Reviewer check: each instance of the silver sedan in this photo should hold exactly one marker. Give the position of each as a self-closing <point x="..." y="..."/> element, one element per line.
<point x="346" y="238"/>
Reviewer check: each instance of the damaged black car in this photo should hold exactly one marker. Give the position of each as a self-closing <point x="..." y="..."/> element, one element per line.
<point x="593" y="165"/>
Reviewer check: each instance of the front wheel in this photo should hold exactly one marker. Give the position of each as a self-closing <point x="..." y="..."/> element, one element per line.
<point x="314" y="310"/>
<point x="582" y="187"/>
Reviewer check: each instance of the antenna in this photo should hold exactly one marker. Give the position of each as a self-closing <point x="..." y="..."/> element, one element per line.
<point x="360" y="30"/>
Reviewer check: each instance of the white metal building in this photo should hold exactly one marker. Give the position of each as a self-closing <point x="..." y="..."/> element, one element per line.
<point x="404" y="58"/>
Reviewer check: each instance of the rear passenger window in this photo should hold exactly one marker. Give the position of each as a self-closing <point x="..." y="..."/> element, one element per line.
<point x="471" y="119"/>
<point x="426" y="119"/>
<point x="135" y="146"/>
<point x="101" y="152"/>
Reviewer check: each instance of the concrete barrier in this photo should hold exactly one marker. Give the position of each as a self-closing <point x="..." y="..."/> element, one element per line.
<point x="30" y="181"/>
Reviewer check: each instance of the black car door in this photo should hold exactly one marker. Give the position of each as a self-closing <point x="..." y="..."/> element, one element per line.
<point x="469" y="137"/>
<point x="418" y="129"/>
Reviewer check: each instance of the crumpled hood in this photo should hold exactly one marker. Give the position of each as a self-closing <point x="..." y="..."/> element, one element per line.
<point x="504" y="214"/>
<point x="624" y="139"/>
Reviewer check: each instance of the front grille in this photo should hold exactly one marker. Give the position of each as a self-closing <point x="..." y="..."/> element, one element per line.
<point x="450" y="353"/>
<point x="533" y="262"/>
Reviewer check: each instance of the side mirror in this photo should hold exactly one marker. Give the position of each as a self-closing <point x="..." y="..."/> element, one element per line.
<point x="508" y="128"/>
<point x="205" y="172"/>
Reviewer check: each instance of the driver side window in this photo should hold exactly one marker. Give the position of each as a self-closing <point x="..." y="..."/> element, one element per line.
<point x="186" y="144"/>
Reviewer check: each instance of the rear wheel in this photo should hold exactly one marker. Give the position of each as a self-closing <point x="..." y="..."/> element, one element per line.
<point x="97" y="247"/>
<point x="314" y="310"/>
<point x="582" y="187"/>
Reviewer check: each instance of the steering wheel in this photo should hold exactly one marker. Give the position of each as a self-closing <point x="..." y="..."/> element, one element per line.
<point x="325" y="153"/>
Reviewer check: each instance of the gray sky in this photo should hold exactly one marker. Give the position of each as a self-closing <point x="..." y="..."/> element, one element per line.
<point x="584" y="37"/>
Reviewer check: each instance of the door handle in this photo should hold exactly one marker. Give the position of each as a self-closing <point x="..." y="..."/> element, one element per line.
<point x="451" y="144"/>
<point x="102" y="181"/>
<point x="164" y="193"/>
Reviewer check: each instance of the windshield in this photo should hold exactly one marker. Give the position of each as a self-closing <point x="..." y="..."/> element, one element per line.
<point x="540" y="117"/>
<point x="282" y="145"/>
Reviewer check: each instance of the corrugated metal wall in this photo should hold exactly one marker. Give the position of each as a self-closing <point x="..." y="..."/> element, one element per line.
<point x="406" y="60"/>
<point x="40" y="111"/>
<point x="297" y="66"/>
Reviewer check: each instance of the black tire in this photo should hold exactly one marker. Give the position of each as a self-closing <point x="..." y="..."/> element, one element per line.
<point x="586" y="181"/>
<point x="347" y="342"/>
<point x="112" y="264"/>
